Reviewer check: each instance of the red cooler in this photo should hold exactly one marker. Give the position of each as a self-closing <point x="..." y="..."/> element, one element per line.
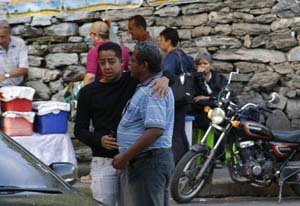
<point x="16" y="98"/>
<point x="18" y="123"/>
<point x="19" y="105"/>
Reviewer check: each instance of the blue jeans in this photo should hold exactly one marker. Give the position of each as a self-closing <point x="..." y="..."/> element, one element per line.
<point x="149" y="178"/>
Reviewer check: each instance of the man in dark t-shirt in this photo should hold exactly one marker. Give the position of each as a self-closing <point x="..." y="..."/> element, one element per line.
<point x="101" y="103"/>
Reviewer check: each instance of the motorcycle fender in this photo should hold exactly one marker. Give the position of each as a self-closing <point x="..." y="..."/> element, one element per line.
<point x="200" y="148"/>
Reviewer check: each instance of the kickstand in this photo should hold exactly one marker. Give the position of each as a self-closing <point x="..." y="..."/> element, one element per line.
<point x="281" y="183"/>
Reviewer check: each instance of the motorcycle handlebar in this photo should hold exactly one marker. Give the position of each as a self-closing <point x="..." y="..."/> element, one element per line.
<point x="265" y="109"/>
<point x="256" y="107"/>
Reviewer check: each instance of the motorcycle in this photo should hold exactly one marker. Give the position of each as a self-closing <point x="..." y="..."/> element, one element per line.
<point x="259" y="155"/>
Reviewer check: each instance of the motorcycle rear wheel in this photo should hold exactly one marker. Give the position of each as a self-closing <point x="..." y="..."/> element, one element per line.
<point x="183" y="185"/>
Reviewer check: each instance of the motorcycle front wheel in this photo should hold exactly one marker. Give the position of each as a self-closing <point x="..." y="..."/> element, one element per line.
<point x="184" y="186"/>
<point x="296" y="187"/>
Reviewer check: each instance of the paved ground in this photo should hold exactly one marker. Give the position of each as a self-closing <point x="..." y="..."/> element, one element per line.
<point x="223" y="191"/>
<point x="244" y="201"/>
<point x="225" y="201"/>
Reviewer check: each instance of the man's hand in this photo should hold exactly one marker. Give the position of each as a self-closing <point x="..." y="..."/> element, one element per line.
<point x="2" y="77"/>
<point x="120" y="162"/>
<point x="160" y="87"/>
<point x="108" y="142"/>
<point x="199" y="98"/>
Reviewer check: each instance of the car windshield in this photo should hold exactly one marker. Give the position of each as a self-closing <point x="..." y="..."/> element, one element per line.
<point x="18" y="168"/>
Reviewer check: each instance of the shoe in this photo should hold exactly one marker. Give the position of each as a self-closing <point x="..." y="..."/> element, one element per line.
<point x="218" y="164"/>
<point x="86" y="179"/>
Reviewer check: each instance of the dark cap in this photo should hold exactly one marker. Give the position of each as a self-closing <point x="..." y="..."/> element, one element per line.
<point x="4" y="24"/>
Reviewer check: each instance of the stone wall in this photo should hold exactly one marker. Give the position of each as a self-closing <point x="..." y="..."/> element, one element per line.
<point x="260" y="38"/>
<point x="3" y="5"/>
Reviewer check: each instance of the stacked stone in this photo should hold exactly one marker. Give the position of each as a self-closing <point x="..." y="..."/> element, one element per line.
<point x="3" y="6"/>
<point x="260" y="38"/>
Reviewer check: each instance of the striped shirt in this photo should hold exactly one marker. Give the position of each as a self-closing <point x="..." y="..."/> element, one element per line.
<point x="147" y="111"/>
<point x="15" y="57"/>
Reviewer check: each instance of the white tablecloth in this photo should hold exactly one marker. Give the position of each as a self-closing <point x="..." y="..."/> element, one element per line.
<point x="49" y="148"/>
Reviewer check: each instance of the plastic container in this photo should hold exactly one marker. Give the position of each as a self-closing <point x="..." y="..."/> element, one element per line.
<point x="51" y="117"/>
<point x="17" y="123"/>
<point x="189" y="128"/>
<point x="18" y="105"/>
<point x="16" y="98"/>
<point x="51" y="123"/>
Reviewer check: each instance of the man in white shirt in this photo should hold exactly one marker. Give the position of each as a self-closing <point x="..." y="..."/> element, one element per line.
<point x="13" y="57"/>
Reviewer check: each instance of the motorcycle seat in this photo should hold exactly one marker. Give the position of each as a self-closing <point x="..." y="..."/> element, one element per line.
<point x="287" y="136"/>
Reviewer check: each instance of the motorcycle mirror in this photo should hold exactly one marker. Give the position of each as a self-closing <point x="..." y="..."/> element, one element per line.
<point x="231" y="74"/>
<point x="274" y="98"/>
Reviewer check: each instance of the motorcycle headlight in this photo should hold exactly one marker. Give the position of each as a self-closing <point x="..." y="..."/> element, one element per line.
<point x="217" y="116"/>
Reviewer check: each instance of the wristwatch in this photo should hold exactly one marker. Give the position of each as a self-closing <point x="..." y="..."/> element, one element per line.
<point x="6" y="75"/>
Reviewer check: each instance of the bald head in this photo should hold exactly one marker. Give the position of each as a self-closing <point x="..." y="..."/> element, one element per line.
<point x="4" y="24"/>
<point x="5" y="33"/>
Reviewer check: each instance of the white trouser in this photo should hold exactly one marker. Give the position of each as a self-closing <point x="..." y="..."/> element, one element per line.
<point x="105" y="181"/>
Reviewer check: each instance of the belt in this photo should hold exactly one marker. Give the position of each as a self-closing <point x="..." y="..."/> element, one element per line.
<point x="149" y="154"/>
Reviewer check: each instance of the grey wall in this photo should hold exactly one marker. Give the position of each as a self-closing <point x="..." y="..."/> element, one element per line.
<point x="261" y="38"/>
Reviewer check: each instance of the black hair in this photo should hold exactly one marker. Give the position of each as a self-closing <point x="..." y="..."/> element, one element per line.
<point x="172" y="35"/>
<point x="113" y="47"/>
<point x="149" y="52"/>
<point x="139" y="21"/>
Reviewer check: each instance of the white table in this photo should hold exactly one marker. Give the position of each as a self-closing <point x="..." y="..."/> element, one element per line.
<point x="49" y="148"/>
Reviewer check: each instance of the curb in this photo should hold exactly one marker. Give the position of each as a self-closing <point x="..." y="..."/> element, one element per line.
<point x="223" y="186"/>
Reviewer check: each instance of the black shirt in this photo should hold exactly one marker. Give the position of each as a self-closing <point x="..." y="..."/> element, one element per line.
<point x="102" y="103"/>
<point x="216" y="84"/>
